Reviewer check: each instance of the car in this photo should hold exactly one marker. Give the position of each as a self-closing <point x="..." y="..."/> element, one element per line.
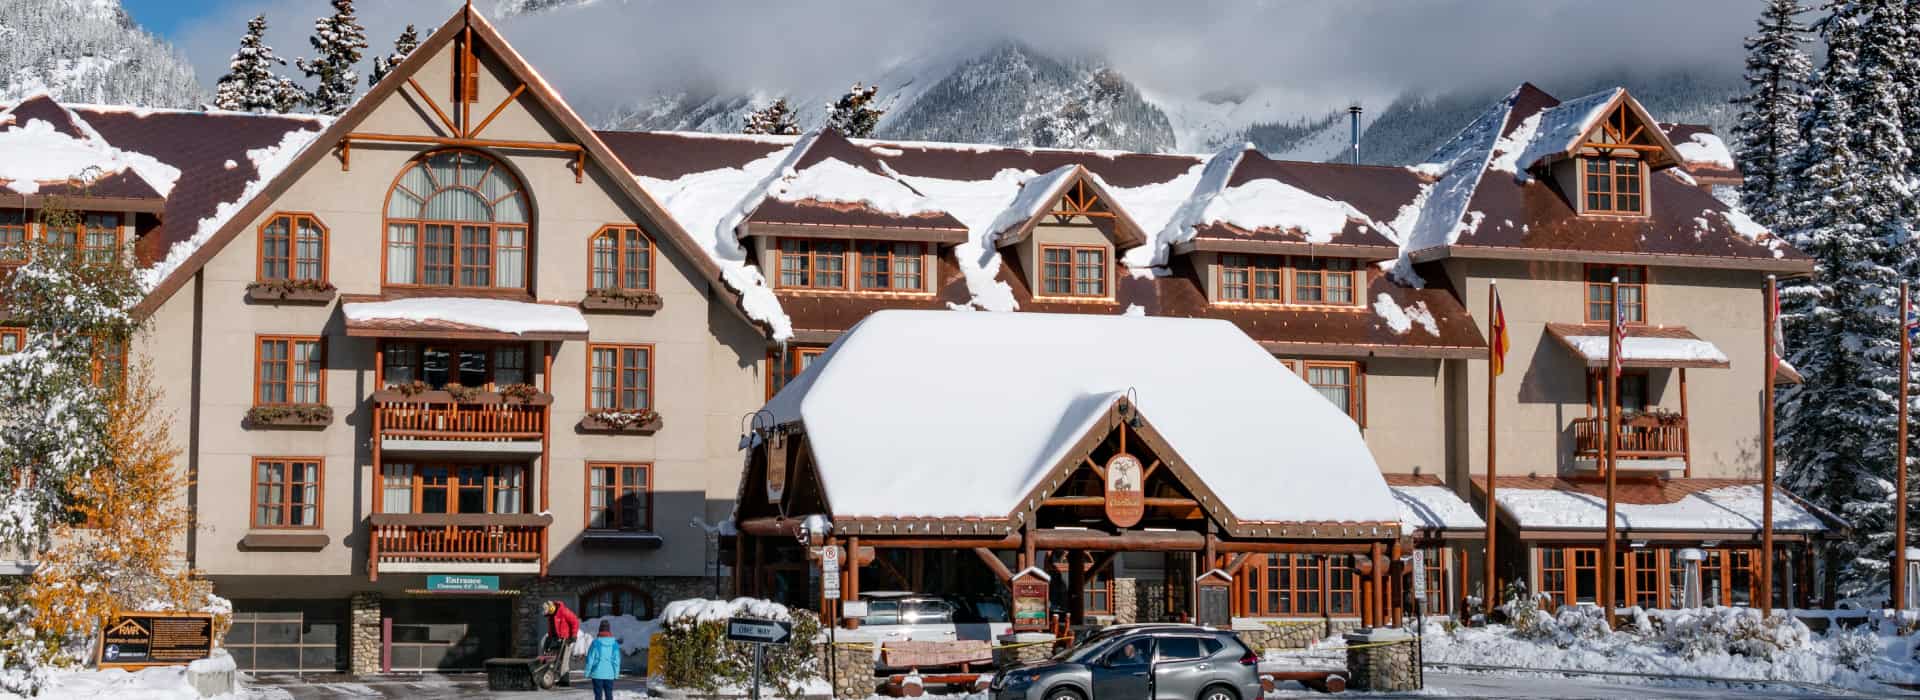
<point x="1136" y="662"/>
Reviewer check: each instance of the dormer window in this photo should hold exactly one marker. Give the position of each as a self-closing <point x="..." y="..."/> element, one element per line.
<point x="1613" y="161"/>
<point x="1290" y="280"/>
<point x="1614" y="185"/>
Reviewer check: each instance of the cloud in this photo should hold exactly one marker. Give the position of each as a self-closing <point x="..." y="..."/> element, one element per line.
<point x="614" y="51"/>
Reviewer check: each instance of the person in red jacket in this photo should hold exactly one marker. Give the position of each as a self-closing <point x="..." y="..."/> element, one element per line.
<point x="564" y="626"/>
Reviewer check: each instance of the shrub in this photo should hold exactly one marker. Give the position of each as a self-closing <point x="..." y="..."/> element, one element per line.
<point x="697" y="655"/>
<point x="1740" y="631"/>
<point x="1856" y="647"/>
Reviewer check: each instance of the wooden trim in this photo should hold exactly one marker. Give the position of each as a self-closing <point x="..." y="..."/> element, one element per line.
<point x="1073" y="267"/>
<point x="291" y="340"/>
<point x="620" y="258"/>
<point x="284" y="506"/>
<point x="779" y="373"/>
<point x="435" y="106"/>
<point x="618" y="368"/>
<point x="857" y="261"/>
<point x="1438" y="352"/>
<point x="1789" y="267"/>
<point x="293" y="246"/>
<point x="18" y="334"/>
<point x="86" y="202"/>
<point x="1259" y="247"/>
<point x="1587" y="286"/>
<point x="418" y="362"/>
<point x="497" y="110"/>
<point x="586" y="502"/>
<point x="805" y="249"/>
<point x="1288" y="270"/>
<point x="1580" y="164"/>
<point x="781" y="229"/>
<point x="1356" y="384"/>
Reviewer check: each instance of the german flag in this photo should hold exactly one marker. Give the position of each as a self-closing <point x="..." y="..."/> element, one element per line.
<point x="1497" y="336"/>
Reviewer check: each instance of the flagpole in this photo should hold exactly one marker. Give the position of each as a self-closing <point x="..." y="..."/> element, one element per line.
<point x="1766" y="456"/>
<point x="1614" y="350"/>
<point x="1900" y="459"/>
<point x="1493" y="405"/>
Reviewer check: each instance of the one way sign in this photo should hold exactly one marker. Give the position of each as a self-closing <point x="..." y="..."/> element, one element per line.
<point x="743" y="629"/>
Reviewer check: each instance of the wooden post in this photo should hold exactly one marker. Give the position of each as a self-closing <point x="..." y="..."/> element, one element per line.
<point x="1493" y="405"/>
<point x="1613" y="447"/>
<point x="1460" y="587"/>
<point x="1076" y="588"/>
<point x="1396" y="601"/>
<point x="1766" y="453"/>
<point x="1686" y="430"/>
<point x="1377" y="575"/>
<point x="852" y="574"/>
<point x="1900" y="457"/>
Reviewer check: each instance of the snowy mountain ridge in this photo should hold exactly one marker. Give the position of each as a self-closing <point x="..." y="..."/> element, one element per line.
<point x="89" y="51"/>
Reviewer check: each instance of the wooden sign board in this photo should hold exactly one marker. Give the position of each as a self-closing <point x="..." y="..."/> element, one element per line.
<point x="1030" y="602"/>
<point x="138" y="640"/>
<point x="1126" y="495"/>
<point x="1215" y="606"/>
<point x="776" y="467"/>
<point x="911" y="654"/>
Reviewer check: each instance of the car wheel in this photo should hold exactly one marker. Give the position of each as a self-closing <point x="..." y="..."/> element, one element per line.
<point x="1064" y="694"/>
<point x="1219" y="692"/>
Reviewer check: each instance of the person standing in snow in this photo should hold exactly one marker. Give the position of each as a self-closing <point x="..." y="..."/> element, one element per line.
<point x="563" y="625"/>
<point x="603" y="661"/>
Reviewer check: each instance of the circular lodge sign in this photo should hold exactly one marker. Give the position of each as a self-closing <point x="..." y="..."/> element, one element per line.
<point x="1126" y="501"/>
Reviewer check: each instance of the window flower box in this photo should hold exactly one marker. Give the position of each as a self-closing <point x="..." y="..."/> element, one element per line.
<point x="291" y="292"/>
<point x="299" y="416"/>
<point x="641" y="422"/>
<point x="621" y="301"/>
<point x="525" y="394"/>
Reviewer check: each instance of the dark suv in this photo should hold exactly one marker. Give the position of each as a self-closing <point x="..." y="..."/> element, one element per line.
<point x="1135" y="662"/>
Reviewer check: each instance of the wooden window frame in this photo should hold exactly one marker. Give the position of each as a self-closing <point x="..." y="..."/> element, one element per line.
<point x="1252" y="587"/>
<point x="778" y="373"/>
<point x="1435" y="563"/>
<point x="1073" y="278"/>
<point x="293" y="258"/>
<point x="283" y="505"/>
<point x="259" y="343"/>
<point x="417" y="487"/>
<point x="604" y="588"/>
<point x="81" y="228"/>
<point x="456" y="269"/>
<point x="1254" y="265"/>
<point x="857" y="262"/>
<point x="418" y="360"/>
<point x="1098" y="587"/>
<point x="620" y="269"/>
<point x="619" y="488"/>
<point x="1587" y="291"/>
<point x="1356" y="275"/>
<point x="804" y="249"/>
<point x="1612" y="176"/>
<point x="25" y="231"/>
<point x="1287" y="290"/>
<point x="1356" y="407"/>
<point x="619" y="369"/>
<point x="18" y="334"/>
<point x="466" y="77"/>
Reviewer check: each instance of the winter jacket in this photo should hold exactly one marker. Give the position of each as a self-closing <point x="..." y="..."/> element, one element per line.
<point x="564" y="623"/>
<point x="603" y="658"/>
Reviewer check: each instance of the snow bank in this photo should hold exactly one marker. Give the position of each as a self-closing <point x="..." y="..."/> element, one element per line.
<point x="493" y="314"/>
<point x="157" y="683"/>
<point x="704" y="610"/>
<point x="267" y="163"/>
<point x="1728" y="508"/>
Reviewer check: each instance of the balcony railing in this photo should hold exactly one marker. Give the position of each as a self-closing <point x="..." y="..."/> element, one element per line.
<point x="436" y="415"/>
<point x="465" y="542"/>
<point x="1641" y="437"/>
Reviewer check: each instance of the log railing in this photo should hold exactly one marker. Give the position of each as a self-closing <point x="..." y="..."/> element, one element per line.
<point x="1640" y="438"/>
<point x="477" y="539"/>
<point x="428" y="420"/>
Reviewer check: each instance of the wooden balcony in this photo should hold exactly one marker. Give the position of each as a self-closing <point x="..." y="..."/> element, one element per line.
<point x="457" y="543"/>
<point x="437" y="417"/>
<point x="1641" y="438"/>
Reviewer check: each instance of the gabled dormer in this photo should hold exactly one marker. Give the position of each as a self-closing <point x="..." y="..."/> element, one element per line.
<point x="1602" y="151"/>
<point x="1064" y="231"/>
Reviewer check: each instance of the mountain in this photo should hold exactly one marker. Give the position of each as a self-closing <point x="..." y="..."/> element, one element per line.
<point x="89" y="51"/>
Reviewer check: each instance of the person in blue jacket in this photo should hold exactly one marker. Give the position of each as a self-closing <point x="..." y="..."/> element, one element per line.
<point x="603" y="662"/>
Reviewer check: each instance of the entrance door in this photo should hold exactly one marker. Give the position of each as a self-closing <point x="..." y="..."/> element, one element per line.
<point x="449" y="634"/>
<point x="1126" y="671"/>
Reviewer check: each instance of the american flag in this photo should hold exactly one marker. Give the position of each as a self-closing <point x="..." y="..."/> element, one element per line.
<point x="1618" y="334"/>
<point x="1909" y="317"/>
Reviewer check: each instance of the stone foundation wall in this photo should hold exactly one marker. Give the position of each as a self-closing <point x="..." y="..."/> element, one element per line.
<point x="1383" y="660"/>
<point x="363" y="644"/>
<point x="530" y="622"/>
<point x="851" y="670"/>
<point x="1290" y="634"/>
<point x="1126" y="601"/>
<point x="1022" y="648"/>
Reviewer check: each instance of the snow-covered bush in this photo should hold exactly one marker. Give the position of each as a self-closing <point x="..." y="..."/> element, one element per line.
<point x="1740" y="631"/>
<point x="697" y="655"/>
<point x="1856" y="647"/>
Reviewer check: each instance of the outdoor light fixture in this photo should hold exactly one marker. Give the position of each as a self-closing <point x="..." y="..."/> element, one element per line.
<point x="814" y="530"/>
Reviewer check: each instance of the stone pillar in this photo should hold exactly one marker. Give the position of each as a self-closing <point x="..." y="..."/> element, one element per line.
<point x="1126" y="601"/>
<point x="852" y="671"/>
<point x="364" y="646"/>
<point x="1383" y="660"/>
<point x="1022" y="648"/>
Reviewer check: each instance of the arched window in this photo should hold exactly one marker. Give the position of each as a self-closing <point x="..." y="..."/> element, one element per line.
<point x="622" y="259"/>
<point x="293" y="247"/>
<point x="457" y="219"/>
<point x="616" y="599"/>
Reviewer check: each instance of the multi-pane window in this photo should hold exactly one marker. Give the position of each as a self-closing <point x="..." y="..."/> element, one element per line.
<point x="1569" y="575"/>
<point x="619" y="496"/>
<point x="621" y="376"/>
<point x="890" y="266"/>
<point x="1256" y="278"/>
<point x="1434" y="564"/>
<point x="286" y="492"/>
<point x="811" y="264"/>
<point x="288" y="370"/>
<point x="1284" y="584"/>
<point x="798" y="360"/>
<point x="1073" y="271"/>
<point x="293" y="247"/>
<point x="1343" y="585"/>
<point x="407" y="487"/>
<point x="95" y="237"/>
<point x="1097" y="595"/>
<point x="1633" y="293"/>
<point x="440" y="364"/>
<point x="1324" y="281"/>
<point x="13" y="238"/>
<point x="622" y="259"/>
<point x="12" y="340"/>
<point x="457" y="219"/>
<point x="616" y="599"/>
<point x="1339" y="382"/>
<point x="1614" y="185"/>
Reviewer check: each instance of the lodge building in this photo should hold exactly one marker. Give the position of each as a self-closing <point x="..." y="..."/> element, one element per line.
<point x="453" y="352"/>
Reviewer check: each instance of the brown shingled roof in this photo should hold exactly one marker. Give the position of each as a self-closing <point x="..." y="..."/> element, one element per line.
<point x="1709" y="173"/>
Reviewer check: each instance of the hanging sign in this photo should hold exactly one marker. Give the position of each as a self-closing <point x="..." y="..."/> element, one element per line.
<point x="776" y="467"/>
<point x="1126" y="499"/>
<point x="462" y="583"/>
<point x="135" y="640"/>
<point x="1030" y="604"/>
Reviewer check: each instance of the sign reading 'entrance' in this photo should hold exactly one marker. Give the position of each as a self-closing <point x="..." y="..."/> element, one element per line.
<point x="155" y="639"/>
<point x="1126" y="496"/>
<point x="462" y="583"/>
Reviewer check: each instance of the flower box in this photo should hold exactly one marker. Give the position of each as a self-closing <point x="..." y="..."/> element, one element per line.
<point x="299" y="416"/>
<point x="620" y="423"/>
<point x="621" y="301"/>
<point x="397" y="395"/>
<point x="281" y="292"/>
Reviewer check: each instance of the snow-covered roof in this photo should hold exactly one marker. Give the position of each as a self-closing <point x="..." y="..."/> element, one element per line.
<point x="457" y="313"/>
<point x="1552" y="132"/>
<point x="1664" y="346"/>
<point x="961" y="414"/>
<point x="1733" y="509"/>
<point x="1435" y="508"/>
<point x="46" y="143"/>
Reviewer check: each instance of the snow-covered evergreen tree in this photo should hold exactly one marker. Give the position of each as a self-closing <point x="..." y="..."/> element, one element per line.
<point x="854" y="114"/>
<point x="86" y="51"/>
<point x="1768" y="132"/>
<point x="338" y="40"/>
<point x="777" y="119"/>
<point x="402" y="47"/>
<point x="251" y="85"/>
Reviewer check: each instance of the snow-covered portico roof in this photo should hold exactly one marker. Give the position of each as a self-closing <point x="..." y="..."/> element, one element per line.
<point x="1644" y="346"/>
<point x="952" y="414"/>
<point x="444" y="317"/>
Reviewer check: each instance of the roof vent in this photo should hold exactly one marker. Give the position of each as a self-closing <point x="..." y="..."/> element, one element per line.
<point x="1353" y="116"/>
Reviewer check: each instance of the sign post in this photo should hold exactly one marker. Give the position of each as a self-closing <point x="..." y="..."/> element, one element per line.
<point x="830" y="572"/>
<point x="759" y="633"/>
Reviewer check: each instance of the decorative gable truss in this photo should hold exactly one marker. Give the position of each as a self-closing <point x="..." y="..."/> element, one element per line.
<point x="1067" y="194"/>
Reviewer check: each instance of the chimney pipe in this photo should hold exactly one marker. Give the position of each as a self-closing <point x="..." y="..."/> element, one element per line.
<point x="1353" y="115"/>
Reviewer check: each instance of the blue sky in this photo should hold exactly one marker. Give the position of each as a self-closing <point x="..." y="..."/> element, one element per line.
<point x="165" y="17"/>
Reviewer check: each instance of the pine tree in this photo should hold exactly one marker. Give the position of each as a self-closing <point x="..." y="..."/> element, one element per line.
<point x="1768" y="132"/>
<point x="854" y="114"/>
<point x="338" y="41"/>
<point x="777" y="119"/>
<point x="250" y="84"/>
<point x="402" y="47"/>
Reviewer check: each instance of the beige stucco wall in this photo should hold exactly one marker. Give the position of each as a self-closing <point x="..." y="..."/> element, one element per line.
<point x="1405" y="408"/>
<point x="1049" y="233"/>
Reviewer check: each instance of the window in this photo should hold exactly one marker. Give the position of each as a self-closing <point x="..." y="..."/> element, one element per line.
<point x="13" y="238"/>
<point x="288" y="370"/>
<point x="1645" y="576"/>
<point x="622" y="259"/>
<point x="1340" y="383"/>
<point x="1324" y="281"/>
<point x="1569" y="575"/>
<point x="1181" y="649"/>
<point x="621" y="377"/>
<point x="488" y="366"/>
<point x="1255" y="278"/>
<point x="1435" y="565"/>
<point x="1097" y="596"/>
<point x="616" y="599"/>
<point x="1343" y="585"/>
<point x="890" y="266"/>
<point x="1073" y="271"/>
<point x="406" y="487"/>
<point x="1633" y="293"/>
<point x="109" y="362"/>
<point x="798" y="360"/>
<point x="457" y="219"/>
<point x="286" y="492"/>
<point x="1613" y="185"/>
<point x="1635" y="394"/>
<point x="1283" y="584"/>
<point x="95" y="237"/>
<point x="619" y="496"/>
<point x="809" y="264"/>
<point x="293" y="247"/>
<point x="12" y="340"/>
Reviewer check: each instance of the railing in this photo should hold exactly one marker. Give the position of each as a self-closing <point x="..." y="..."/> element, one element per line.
<point x="1641" y="437"/>
<point x="447" y="420"/>
<point x="438" y="538"/>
